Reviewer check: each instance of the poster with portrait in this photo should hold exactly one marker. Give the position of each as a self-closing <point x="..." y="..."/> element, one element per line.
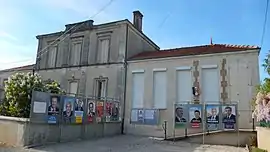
<point x="140" y="116"/>
<point x="91" y="110"/>
<point x="195" y="116"/>
<point x="68" y="109"/>
<point x="53" y="109"/>
<point x="79" y="110"/>
<point x="212" y="117"/>
<point x="108" y="111"/>
<point x="115" y="111"/>
<point x="181" y="116"/>
<point x="100" y="111"/>
<point x="229" y="116"/>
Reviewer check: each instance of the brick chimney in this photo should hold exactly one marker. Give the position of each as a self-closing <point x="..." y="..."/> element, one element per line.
<point x="137" y="20"/>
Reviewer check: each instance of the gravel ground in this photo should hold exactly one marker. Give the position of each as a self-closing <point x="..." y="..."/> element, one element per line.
<point x="128" y="144"/>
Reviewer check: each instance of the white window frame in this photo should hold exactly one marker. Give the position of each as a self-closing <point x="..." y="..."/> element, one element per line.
<point x="188" y="69"/>
<point x="52" y="56"/>
<point x="103" y="51"/>
<point x="104" y="84"/>
<point x="214" y="66"/>
<point x="76" y="54"/>
<point x="141" y="103"/>
<point x="156" y="103"/>
<point x="76" y="92"/>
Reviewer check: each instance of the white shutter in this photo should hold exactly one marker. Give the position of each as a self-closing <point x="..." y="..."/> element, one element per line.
<point x="104" y="50"/>
<point x="52" y="56"/>
<point x="184" y="86"/>
<point x="210" y="90"/>
<point x="103" y="88"/>
<point x="138" y="90"/>
<point x="160" y="90"/>
<point x="73" y="86"/>
<point x="76" y="53"/>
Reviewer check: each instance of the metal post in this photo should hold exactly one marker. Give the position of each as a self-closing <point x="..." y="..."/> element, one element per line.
<point x="165" y="129"/>
<point x="203" y="119"/>
<point x="253" y="124"/>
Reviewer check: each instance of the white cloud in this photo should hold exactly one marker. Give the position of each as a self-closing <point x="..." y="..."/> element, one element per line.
<point x="85" y="9"/>
<point x="4" y="34"/>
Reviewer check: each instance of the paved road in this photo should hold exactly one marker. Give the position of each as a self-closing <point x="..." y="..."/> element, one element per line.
<point x="128" y="144"/>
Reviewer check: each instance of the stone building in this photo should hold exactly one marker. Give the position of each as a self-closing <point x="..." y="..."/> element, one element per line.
<point x="161" y="78"/>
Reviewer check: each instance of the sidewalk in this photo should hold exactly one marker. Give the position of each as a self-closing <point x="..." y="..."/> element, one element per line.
<point x="129" y="144"/>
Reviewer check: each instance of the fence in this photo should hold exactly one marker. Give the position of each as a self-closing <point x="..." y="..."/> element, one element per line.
<point x="212" y="123"/>
<point x="61" y="118"/>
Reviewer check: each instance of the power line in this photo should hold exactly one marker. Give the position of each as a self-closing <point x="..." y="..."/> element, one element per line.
<point x="20" y="61"/>
<point x="76" y="26"/>
<point x="265" y="22"/>
<point x="44" y="50"/>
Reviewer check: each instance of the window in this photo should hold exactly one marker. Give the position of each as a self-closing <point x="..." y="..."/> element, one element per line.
<point x="73" y="87"/>
<point x="184" y="85"/>
<point x="160" y="90"/>
<point x="101" y="88"/>
<point x="103" y="50"/>
<point x="138" y="90"/>
<point x="52" y="56"/>
<point x="76" y="53"/>
<point x="210" y="85"/>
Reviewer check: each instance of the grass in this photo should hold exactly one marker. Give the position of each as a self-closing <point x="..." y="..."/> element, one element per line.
<point x="255" y="149"/>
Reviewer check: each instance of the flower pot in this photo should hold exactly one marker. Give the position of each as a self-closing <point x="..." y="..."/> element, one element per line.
<point x="263" y="137"/>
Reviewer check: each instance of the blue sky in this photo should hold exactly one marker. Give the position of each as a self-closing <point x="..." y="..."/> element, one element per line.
<point x="170" y="23"/>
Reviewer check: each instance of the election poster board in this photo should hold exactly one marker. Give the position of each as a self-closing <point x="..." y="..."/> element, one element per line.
<point x="91" y="110"/>
<point x="53" y="109"/>
<point x="229" y="117"/>
<point x="181" y="116"/>
<point x="195" y="115"/>
<point x="212" y="116"/>
<point x="100" y="110"/>
<point x="68" y="109"/>
<point x="144" y="116"/>
<point x="79" y="110"/>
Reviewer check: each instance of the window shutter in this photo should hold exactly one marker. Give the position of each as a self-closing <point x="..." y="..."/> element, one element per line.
<point x="104" y="50"/>
<point x="160" y="90"/>
<point x="184" y="86"/>
<point x="138" y="90"/>
<point x="210" y="85"/>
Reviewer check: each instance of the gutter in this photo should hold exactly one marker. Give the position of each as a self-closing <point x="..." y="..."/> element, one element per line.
<point x="125" y="83"/>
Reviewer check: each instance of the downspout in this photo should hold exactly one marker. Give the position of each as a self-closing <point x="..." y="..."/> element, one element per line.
<point x="125" y="82"/>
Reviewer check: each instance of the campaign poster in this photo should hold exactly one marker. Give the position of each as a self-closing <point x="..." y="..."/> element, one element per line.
<point x="212" y="117"/>
<point x="91" y="110"/>
<point x="140" y="116"/>
<point x="100" y="111"/>
<point x="79" y="110"/>
<point x="108" y="113"/>
<point x="68" y="111"/>
<point x="181" y="116"/>
<point x="195" y="112"/>
<point x="115" y="111"/>
<point x="53" y="109"/>
<point x="229" y="116"/>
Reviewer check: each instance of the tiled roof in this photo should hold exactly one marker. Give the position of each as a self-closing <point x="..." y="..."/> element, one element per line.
<point x="26" y="67"/>
<point x="193" y="50"/>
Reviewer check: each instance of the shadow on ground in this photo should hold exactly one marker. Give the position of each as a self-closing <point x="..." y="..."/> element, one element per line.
<point x="127" y="143"/>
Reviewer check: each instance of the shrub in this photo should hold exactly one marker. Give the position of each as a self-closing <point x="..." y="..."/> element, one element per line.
<point x="18" y="92"/>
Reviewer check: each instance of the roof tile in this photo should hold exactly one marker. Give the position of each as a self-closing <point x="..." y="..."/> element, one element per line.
<point x="193" y="50"/>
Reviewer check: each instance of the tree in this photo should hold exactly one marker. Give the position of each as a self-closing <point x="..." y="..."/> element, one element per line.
<point x="262" y="100"/>
<point x="18" y="92"/>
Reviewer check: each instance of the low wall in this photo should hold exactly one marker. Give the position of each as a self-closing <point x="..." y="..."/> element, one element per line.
<point x="263" y="138"/>
<point x="230" y="138"/>
<point x="21" y="132"/>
